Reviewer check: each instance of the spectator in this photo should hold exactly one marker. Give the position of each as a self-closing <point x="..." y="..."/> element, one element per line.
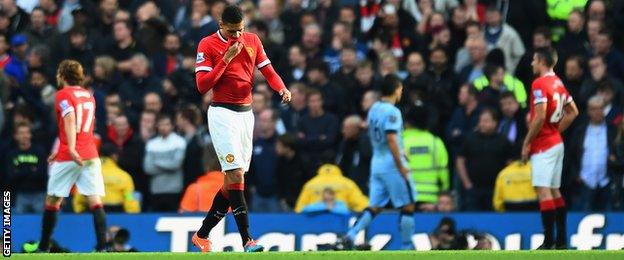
<point x="496" y="80"/>
<point x="262" y="173"/>
<point x="152" y="102"/>
<point x="318" y="130"/>
<point x="274" y="51"/>
<point x="130" y="150"/>
<point x="443" y="80"/>
<point x="418" y="83"/>
<point x="427" y="159"/>
<point x="541" y="39"/>
<point x="505" y="37"/>
<point x="292" y="171"/>
<point x="446" y="202"/>
<point x="170" y="58"/>
<point x="311" y="41"/>
<point x="5" y="56"/>
<point x="327" y="204"/>
<point x="151" y="28"/>
<point x="603" y="46"/>
<point x="397" y="27"/>
<point x="18" y="17"/>
<point x="75" y="45"/>
<point x="355" y="152"/>
<point x="26" y="171"/>
<point x="483" y="155"/>
<point x="513" y="190"/>
<point x="612" y="111"/>
<point x="147" y="125"/>
<point x="124" y="48"/>
<point x="598" y="73"/>
<point x="463" y="57"/>
<point x="574" y="75"/>
<point x="269" y="13"/>
<point x="444" y="237"/>
<point x="616" y="166"/>
<point x="574" y="41"/>
<point x="342" y="36"/>
<point x="464" y="119"/>
<point x="334" y="96"/>
<point x="18" y="66"/>
<point x="365" y="80"/>
<point x="330" y="176"/>
<point x="291" y="115"/>
<point x="140" y="82"/>
<point x="38" y="32"/>
<point x="296" y="65"/>
<point x="187" y="120"/>
<point x="513" y="122"/>
<point x="200" y="193"/>
<point x="477" y="49"/>
<point x="345" y="74"/>
<point x="118" y="184"/>
<point x="163" y="160"/>
<point x="590" y="152"/>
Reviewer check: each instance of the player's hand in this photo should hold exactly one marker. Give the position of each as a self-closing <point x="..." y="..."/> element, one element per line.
<point x="52" y="157"/>
<point x="525" y="153"/>
<point x="76" y="157"/>
<point x="405" y="172"/>
<point x="232" y="51"/>
<point x="286" y="96"/>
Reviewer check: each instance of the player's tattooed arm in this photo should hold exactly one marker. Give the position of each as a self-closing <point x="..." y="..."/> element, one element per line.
<point x="570" y="112"/>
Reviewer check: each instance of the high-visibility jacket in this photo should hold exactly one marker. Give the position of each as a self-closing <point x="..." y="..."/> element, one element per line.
<point x="119" y="189"/>
<point x="560" y="9"/>
<point x="512" y="84"/>
<point x="199" y="194"/>
<point x="428" y="162"/>
<point x="330" y="176"/>
<point x="513" y="186"/>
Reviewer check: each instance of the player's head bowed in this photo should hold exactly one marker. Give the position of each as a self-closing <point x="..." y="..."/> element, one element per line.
<point x="232" y="21"/>
<point x="70" y="73"/>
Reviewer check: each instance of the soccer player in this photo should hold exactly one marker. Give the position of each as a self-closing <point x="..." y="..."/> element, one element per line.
<point x="76" y="161"/>
<point x="389" y="180"/>
<point x="225" y="64"/>
<point x="552" y="111"/>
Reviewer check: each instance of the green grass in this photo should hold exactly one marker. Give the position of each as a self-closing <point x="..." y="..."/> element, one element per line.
<point x="327" y="255"/>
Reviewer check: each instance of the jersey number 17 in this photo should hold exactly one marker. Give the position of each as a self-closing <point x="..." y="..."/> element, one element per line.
<point x="84" y="116"/>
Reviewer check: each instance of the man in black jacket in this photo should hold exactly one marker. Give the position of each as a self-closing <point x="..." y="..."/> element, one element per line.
<point x="355" y="152"/>
<point x="589" y="152"/>
<point x="26" y="172"/>
<point x="292" y="170"/>
<point x="187" y="120"/>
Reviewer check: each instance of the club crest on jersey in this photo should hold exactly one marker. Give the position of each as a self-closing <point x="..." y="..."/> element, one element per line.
<point x="200" y="57"/>
<point x="64" y="104"/>
<point x="250" y="51"/>
<point x="229" y="158"/>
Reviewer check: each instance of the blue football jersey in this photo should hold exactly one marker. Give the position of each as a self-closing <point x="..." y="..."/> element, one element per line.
<point x="384" y="117"/>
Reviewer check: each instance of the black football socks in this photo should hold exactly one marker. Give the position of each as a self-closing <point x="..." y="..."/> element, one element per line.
<point x="217" y="211"/>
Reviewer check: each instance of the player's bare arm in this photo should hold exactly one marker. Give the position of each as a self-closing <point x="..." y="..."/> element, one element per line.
<point x="70" y="132"/>
<point x="393" y="143"/>
<point x="534" y="127"/>
<point x="570" y="112"/>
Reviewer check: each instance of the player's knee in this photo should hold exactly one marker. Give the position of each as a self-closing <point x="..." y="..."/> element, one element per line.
<point x="235" y="176"/>
<point x="94" y="201"/>
<point x="53" y="201"/>
<point x="544" y="193"/>
<point x="373" y="210"/>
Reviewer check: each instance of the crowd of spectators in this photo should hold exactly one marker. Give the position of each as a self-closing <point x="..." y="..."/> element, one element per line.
<point x="465" y="66"/>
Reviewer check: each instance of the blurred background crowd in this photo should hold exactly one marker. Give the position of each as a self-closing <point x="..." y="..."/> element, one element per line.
<point x="466" y="70"/>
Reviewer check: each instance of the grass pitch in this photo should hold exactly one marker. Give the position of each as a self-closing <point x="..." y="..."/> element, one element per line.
<point x="330" y="255"/>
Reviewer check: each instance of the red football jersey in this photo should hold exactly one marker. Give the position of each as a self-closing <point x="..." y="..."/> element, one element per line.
<point x="550" y="90"/>
<point x="80" y="101"/>
<point x="234" y="85"/>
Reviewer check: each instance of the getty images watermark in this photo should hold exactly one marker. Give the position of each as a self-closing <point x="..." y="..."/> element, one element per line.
<point x="6" y="224"/>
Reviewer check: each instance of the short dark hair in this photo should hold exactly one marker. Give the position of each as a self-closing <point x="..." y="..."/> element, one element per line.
<point x="191" y="113"/>
<point x="313" y="92"/>
<point x="319" y="65"/>
<point x="493" y="113"/>
<point x="544" y="31"/>
<point x="232" y="14"/>
<point x="506" y="95"/>
<point x="548" y="55"/>
<point x="492" y="8"/>
<point x="163" y="116"/>
<point x="605" y="85"/>
<point x="128" y="24"/>
<point x="288" y="140"/>
<point x="580" y="61"/>
<point x="490" y="69"/>
<point x="606" y="32"/>
<point x="416" y="116"/>
<point x="20" y="125"/>
<point x="390" y="83"/>
<point x="77" y="29"/>
<point x="260" y="26"/>
<point x="472" y="90"/>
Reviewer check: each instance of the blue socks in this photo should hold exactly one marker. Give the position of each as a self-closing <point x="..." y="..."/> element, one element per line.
<point x="406" y="228"/>
<point x="360" y="224"/>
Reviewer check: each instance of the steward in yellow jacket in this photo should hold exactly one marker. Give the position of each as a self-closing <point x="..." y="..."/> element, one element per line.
<point x="513" y="190"/>
<point x="330" y="176"/>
